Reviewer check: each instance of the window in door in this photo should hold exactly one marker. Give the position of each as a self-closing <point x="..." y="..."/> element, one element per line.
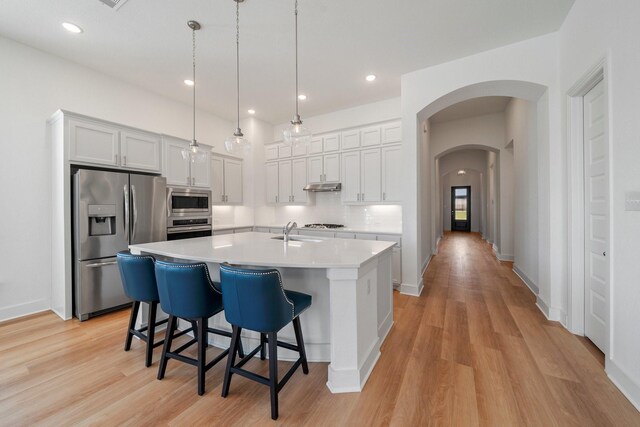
<point x="461" y="208"/>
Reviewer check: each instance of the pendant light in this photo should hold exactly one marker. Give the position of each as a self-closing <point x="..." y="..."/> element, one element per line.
<point x="194" y="152"/>
<point x="237" y="143"/>
<point x="296" y="134"/>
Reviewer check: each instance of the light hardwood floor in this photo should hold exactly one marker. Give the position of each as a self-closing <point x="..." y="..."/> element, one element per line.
<point x="472" y="350"/>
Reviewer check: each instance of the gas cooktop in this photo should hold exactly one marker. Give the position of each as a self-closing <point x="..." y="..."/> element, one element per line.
<point x="323" y="226"/>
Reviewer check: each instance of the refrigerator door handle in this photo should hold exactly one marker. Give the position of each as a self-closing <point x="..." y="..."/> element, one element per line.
<point x="135" y="212"/>
<point x="102" y="264"/>
<point x="126" y="210"/>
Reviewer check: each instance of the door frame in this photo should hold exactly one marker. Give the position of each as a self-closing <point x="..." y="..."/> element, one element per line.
<point x="453" y="188"/>
<point x="576" y="205"/>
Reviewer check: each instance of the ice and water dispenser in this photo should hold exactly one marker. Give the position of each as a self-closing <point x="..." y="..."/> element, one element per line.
<point x="102" y="220"/>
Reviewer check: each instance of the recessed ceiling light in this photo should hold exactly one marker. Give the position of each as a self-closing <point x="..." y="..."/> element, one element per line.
<point x="189" y="82"/>
<point x="302" y="97"/>
<point x="251" y="111"/>
<point x="72" y="28"/>
<point x="370" y="77"/>
<point x="462" y="172"/>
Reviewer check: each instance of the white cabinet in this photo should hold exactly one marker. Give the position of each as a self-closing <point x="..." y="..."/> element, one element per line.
<point x="226" y="180"/>
<point x="351" y="139"/>
<point x="272" y="182"/>
<point x="112" y="145"/>
<point x="284" y="151"/>
<point x="180" y="171"/>
<point x="392" y="133"/>
<point x="284" y="181"/>
<point x="371" y="136"/>
<point x="324" y="168"/>
<point x="298" y="150"/>
<point x="93" y="143"/>
<point x="396" y="257"/>
<point x="315" y="146"/>
<point x="271" y="152"/>
<point x="298" y="180"/>
<point x="391" y="173"/>
<point x="331" y="142"/>
<point x="361" y="176"/>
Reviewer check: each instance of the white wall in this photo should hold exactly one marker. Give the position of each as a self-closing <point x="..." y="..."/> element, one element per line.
<point x="527" y="70"/>
<point x="327" y="207"/>
<point x="492" y="197"/>
<point x="33" y="86"/>
<point x="520" y="122"/>
<point x="596" y="30"/>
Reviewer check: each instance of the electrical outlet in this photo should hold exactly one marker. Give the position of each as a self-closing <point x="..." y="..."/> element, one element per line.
<point x="632" y="201"/>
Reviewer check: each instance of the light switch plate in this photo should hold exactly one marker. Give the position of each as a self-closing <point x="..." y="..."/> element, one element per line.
<point x="632" y="201"/>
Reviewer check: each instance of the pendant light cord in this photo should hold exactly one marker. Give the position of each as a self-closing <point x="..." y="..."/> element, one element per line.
<point x="194" y="83"/>
<point x="296" y="26"/>
<point x="238" y="62"/>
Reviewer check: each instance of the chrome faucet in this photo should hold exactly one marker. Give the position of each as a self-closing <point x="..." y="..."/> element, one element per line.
<point x="287" y="229"/>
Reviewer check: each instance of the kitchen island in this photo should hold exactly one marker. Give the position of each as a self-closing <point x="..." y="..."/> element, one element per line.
<point x="349" y="280"/>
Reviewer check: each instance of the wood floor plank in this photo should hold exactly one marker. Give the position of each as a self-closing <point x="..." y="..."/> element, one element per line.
<point x="473" y="349"/>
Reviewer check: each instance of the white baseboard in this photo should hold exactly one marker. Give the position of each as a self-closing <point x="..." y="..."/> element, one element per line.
<point x="24" y="309"/>
<point x="411" y="289"/>
<point x="624" y="382"/>
<point x="527" y="281"/>
<point x="551" y="313"/>
<point x="542" y="305"/>
<point x="501" y="256"/>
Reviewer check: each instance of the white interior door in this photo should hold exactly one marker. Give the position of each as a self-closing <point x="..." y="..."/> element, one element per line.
<point x="596" y="184"/>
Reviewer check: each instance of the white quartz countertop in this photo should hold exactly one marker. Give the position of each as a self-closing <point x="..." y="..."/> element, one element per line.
<point x="373" y="229"/>
<point x="259" y="249"/>
<point x="230" y="226"/>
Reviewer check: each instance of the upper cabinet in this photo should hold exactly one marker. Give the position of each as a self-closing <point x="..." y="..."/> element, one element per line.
<point x="140" y="150"/>
<point x="361" y="176"/>
<point x="181" y="171"/>
<point x="94" y="142"/>
<point x="351" y="139"/>
<point x="391" y="173"/>
<point x="392" y="133"/>
<point x="371" y="136"/>
<point x="271" y="152"/>
<point x="331" y="143"/>
<point x="285" y="181"/>
<point x="226" y="180"/>
<point x="324" y="168"/>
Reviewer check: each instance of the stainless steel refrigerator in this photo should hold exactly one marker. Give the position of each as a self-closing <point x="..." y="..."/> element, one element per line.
<point x="111" y="210"/>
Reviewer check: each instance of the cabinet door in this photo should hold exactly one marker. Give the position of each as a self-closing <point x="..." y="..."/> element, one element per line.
<point x="298" y="181"/>
<point x="332" y="167"/>
<point x="392" y="133"/>
<point x="351" y="176"/>
<point x="140" y="150"/>
<point x="272" y="182"/>
<point x="233" y="180"/>
<point x="176" y="169"/>
<point x="371" y="136"/>
<point x="315" y="147"/>
<point x="316" y="170"/>
<point x="284" y="181"/>
<point x="396" y="266"/>
<point x="350" y="139"/>
<point x="217" y="180"/>
<point x="93" y="143"/>
<point x="298" y="150"/>
<point x="201" y="172"/>
<point x="284" y="151"/>
<point x="391" y="174"/>
<point x="271" y="152"/>
<point x="370" y="183"/>
<point x="331" y="143"/>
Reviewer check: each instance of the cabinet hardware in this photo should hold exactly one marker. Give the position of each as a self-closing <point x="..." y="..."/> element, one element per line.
<point x="115" y="158"/>
<point x="293" y="198"/>
<point x="124" y="160"/>
<point x="222" y="197"/>
<point x="384" y="196"/>
<point x="358" y="196"/>
<point x="226" y="198"/>
<point x="193" y="181"/>
<point x="188" y="180"/>
<point x="362" y="197"/>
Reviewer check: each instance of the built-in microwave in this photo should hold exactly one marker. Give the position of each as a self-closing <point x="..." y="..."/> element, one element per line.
<point x="183" y="202"/>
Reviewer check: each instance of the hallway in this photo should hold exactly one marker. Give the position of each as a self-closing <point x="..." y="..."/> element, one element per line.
<point x="473" y="349"/>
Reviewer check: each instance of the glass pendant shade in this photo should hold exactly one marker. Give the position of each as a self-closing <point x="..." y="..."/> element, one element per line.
<point x="237" y="144"/>
<point x="296" y="134"/>
<point x="194" y="153"/>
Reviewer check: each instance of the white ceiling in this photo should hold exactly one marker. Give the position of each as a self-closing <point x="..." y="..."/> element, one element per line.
<point x="147" y="43"/>
<point x="471" y="108"/>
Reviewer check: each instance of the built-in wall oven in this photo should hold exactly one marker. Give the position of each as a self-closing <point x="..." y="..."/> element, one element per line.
<point x="188" y="213"/>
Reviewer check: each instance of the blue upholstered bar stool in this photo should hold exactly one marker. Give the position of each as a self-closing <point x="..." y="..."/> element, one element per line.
<point x="139" y="281"/>
<point x="256" y="300"/>
<point x="186" y="291"/>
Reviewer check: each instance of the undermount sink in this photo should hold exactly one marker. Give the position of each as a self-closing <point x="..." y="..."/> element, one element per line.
<point x="299" y="239"/>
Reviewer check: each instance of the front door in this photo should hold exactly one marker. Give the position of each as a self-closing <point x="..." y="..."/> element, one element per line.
<point x="461" y="208"/>
<point x="596" y="184"/>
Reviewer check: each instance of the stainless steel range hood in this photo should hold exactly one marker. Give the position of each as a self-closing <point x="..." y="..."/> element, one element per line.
<point x="325" y="186"/>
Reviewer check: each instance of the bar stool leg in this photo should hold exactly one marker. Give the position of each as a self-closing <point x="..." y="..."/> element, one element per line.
<point x="202" y="353"/>
<point x="263" y="347"/>
<point x="300" y="343"/>
<point x="231" y="360"/>
<point x="171" y="326"/>
<point x="151" y="331"/>
<point x="132" y="324"/>
<point x="273" y="373"/>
